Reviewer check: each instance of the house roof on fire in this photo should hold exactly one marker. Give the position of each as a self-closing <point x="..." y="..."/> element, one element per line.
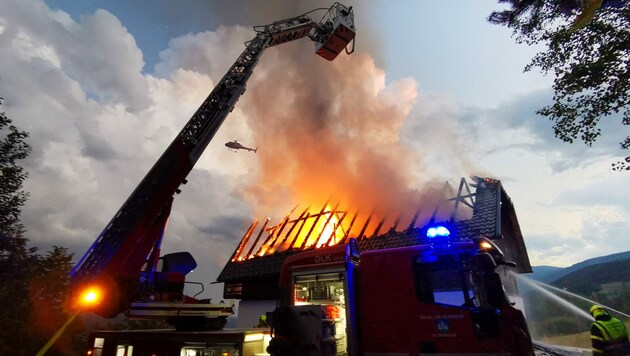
<point x="493" y="216"/>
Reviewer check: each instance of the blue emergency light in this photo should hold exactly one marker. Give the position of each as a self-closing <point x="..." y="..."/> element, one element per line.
<point x="437" y="231"/>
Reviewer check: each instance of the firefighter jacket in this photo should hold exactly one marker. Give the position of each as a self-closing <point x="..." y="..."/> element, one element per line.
<point x="609" y="336"/>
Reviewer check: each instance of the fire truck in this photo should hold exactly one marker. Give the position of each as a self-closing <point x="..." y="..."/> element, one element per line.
<point x="436" y="297"/>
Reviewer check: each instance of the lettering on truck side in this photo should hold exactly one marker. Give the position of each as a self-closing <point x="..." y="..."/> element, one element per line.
<point x="328" y="258"/>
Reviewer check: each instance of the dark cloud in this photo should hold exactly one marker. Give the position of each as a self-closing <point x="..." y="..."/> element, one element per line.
<point x="226" y="227"/>
<point x="520" y="114"/>
<point x="95" y="147"/>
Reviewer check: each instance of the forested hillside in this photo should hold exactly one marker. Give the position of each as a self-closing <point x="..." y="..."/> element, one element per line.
<point x="548" y="274"/>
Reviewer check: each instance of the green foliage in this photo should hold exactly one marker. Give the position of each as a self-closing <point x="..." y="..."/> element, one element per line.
<point x="16" y="267"/>
<point x="17" y="262"/>
<point x="13" y="147"/>
<point x="562" y="325"/>
<point x="33" y="296"/>
<point x="48" y="291"/>
<point x="589" y="57"/>
<point x="607" y="283"/>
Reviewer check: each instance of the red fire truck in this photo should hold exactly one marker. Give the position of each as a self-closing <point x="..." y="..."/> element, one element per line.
<point x="441" y="297"/>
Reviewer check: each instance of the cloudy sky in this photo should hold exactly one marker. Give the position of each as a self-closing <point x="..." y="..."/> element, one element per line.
<point x="432" y="92"/>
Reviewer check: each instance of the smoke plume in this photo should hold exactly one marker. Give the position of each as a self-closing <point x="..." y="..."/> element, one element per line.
<point x="329" y="129"/>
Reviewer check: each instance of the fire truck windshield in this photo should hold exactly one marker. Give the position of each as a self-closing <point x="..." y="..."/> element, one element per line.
<point x="445" y="279"/>
<point x="462" y="279"/>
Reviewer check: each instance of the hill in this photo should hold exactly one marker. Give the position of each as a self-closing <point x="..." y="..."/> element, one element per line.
<point x="548" y="274"/>
<point x="607" y="278"/>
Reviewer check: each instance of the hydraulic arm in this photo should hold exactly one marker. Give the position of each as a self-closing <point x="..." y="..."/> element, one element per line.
<point x="131" y="240"/>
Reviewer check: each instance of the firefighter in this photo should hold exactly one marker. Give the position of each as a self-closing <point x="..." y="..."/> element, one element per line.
<point x="262" y="322"/>
<point x="608" y="334"/>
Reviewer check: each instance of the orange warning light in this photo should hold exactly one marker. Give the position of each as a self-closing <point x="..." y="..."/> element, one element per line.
<point x="90" y="296"/>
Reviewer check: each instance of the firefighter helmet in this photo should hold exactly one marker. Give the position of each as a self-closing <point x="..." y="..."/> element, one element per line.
<point x="597" y="310"/>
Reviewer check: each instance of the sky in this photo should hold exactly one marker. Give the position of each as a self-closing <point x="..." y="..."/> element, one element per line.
<point x="433" y="92"/>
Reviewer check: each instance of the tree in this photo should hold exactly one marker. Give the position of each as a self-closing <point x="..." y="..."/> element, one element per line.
<point x="588" y="51"/>
<point x="49" y="289"/>
<point x="17" y="261"/>
<point x="16" y="266"/>
<point x="13" y="147"/>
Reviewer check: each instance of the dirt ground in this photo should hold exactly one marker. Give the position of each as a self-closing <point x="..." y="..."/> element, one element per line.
<point x="582" y="340"/>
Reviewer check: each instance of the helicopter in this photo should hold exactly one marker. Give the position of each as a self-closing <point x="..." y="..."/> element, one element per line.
<point x="234" y="145"/>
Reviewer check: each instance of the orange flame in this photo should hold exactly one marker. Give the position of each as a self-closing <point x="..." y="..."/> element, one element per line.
<point x="331" y="226"/>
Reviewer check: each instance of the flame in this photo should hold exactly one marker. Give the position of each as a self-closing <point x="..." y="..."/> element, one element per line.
<point x="331" y="225"/>
<point x="329" y="228"/>
<point x="319" y="229"/>
<point x="311" y="229"/>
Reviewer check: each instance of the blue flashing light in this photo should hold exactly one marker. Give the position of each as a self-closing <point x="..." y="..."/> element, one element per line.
<point x="436" y="231"/>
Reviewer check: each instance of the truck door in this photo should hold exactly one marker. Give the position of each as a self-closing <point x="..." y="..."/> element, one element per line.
<point x="419" y="300"/>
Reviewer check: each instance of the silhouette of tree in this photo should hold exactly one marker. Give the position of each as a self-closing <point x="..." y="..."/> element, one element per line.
<point x="17" y="261"/>
<point x="13" y="148"/>
<point x="588" y="52"/>
<point x="49" y="288"/>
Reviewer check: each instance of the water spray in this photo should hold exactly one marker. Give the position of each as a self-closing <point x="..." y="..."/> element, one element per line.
<point x="575" y="295"/>
<point x="556" y="298"/>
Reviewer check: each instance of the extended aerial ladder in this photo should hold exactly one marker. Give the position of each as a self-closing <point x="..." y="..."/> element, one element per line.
<point x="124" y="262"/>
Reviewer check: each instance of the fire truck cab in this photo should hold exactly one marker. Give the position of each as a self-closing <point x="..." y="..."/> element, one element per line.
<point x="432" y="298"/>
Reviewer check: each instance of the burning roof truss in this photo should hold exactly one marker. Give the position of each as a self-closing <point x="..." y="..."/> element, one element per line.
<point x="329" y="226"/>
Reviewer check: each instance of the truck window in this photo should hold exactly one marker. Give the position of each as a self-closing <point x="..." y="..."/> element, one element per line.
<point x="204" y="350"/>
<point x="442" y="280"/>
<point x="98" y="346"/>
<point x="124" y="350"/>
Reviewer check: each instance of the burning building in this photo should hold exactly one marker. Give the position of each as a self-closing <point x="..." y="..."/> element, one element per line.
<point x="477" y="208"/>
